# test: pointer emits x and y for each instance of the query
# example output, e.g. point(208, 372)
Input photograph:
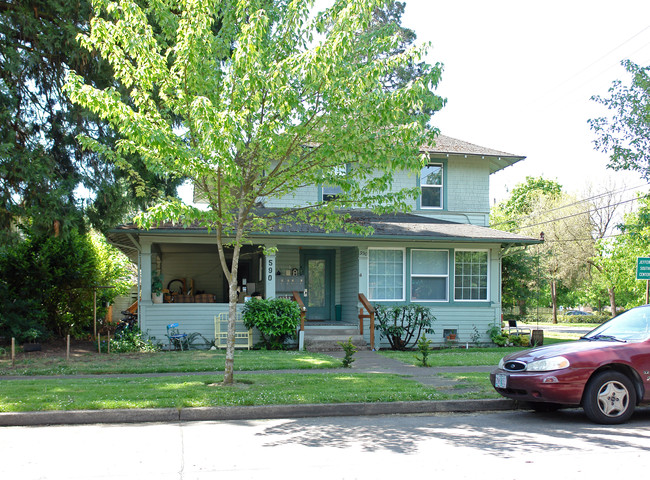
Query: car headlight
point(501, 363)
point(553, 363)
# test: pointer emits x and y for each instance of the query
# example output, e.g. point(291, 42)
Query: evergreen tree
point(43, 169)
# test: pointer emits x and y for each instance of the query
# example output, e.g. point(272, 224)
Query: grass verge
point(462, 357)
point(200, 391)
point(166, 362)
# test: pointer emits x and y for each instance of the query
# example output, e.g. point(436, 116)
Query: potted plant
point(156, 288)
point(32, 346)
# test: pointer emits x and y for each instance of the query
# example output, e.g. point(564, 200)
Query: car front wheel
point(609, 398)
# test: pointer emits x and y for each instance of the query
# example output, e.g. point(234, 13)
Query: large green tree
point(45, 177)
point(521, 272)
point(257, 99)
point(625, 133)
point(617, 256)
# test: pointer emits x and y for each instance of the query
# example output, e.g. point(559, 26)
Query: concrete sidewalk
point(365, 362)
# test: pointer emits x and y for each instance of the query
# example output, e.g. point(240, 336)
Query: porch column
point(363, 288)
point(363, 270)
point(145, 276)
point(270, 267)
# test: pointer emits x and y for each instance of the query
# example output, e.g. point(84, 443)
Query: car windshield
point(633, 325)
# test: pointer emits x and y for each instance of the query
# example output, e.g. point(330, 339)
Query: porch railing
point(303, 310)
point(370, 315)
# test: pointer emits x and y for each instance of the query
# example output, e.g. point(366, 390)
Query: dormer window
point(431, 186)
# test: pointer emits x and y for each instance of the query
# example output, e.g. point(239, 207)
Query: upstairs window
point(330, 192)
point(431, 186)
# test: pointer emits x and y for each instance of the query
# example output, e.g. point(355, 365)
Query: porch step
point(327, 338)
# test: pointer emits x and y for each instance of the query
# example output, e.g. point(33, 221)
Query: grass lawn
point(165, 362)
point(461, 357)
point(180, 391)
point(249, 389)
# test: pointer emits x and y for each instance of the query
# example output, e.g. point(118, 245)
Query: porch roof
point(387, 227)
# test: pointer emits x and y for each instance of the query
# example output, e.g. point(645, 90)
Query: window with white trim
point(430, 275)
point(330, 192)
point(471, 275)
point(386, 274)
point(431, 184)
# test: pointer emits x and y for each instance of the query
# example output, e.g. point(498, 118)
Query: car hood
point(564, 349)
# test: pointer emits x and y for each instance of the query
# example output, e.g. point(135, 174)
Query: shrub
point(402, 325)
point(276, 319)
point(46, 284)
point(130, 340)
point(424, 347)
point(349, 349)
point(499, 338)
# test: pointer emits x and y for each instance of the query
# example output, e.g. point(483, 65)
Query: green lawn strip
point(461, 357)
point(454, 357)
point(473, 385)
point(167, 362)
point(197, 391)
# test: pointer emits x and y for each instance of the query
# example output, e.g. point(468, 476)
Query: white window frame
point(420, 275)
point(487, 293)
point(441, 187)
point(339, 171)
point(403, 297)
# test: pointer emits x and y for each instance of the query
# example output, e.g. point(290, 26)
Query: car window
point(633, 325)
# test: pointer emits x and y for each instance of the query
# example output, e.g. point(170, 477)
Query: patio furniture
point(513, 329)
point(221, 337)
point(175, 338)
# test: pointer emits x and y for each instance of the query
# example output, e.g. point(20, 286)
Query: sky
point(518, 77)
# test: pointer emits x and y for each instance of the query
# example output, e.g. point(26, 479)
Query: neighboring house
point(442, 255)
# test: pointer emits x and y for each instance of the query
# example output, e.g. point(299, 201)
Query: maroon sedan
point(607, 371)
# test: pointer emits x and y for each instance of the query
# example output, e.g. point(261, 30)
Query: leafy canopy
point(255, 99)
point(625, 134)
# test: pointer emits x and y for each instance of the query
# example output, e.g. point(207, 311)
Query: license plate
point(501, 380)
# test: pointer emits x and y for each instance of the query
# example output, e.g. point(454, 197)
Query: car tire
point(609, 398)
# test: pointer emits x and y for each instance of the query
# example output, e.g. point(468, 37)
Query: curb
point(168, 415)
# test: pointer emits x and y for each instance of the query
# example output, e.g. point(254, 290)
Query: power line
point(585, 212)
point(569, 79)
point(600, 195)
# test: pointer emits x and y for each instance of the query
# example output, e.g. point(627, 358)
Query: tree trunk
point(554, 299)
point(228, 377)
point(612, 300)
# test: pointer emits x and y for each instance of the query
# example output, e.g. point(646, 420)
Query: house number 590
point(270, 271)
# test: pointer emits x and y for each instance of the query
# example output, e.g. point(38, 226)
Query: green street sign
point(643, 268)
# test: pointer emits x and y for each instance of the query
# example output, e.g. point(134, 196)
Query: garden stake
point(67, 348)
point(13, 352)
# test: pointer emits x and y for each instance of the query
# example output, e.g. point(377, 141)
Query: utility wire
point(585, 212)
point(588, 66)
point(600, 195)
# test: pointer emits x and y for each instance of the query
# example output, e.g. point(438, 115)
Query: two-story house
point(442, 255)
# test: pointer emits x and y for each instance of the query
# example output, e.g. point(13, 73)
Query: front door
point(318, 268)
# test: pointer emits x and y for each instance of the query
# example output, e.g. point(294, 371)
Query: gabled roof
point(451, 146)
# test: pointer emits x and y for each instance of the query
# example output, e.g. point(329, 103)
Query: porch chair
point(175, 338)
point(513, 329)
